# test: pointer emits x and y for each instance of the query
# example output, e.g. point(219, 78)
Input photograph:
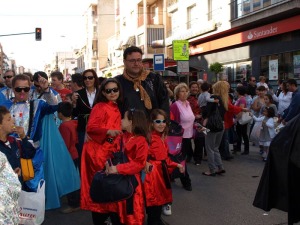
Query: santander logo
point(260, 33)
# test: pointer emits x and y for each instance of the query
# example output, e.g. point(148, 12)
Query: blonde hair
point(178, 88)
point(221, 88)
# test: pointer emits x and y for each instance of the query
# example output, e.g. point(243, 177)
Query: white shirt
point(284, 100)
point(91, 97)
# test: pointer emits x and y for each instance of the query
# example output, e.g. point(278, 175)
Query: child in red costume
point(136, 145)
point(157, 185)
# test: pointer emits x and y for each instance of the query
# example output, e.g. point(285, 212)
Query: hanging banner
point(181, 50)
point(273, 69)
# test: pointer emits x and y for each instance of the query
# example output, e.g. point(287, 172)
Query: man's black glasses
point(159, 121)
point(89, 77)
point(7, 77)
point(114, 90)
point(36, 85)
point(20, 89)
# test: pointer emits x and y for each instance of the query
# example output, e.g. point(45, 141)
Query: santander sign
point(262, 33)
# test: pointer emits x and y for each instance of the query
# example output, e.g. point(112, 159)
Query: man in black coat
point(279, 186)
point(142, 89)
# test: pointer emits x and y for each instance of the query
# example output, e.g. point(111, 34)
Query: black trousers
point(241, 131)
point(153, 214)
point(199, 148)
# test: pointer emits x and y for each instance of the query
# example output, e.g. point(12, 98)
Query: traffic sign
point(159, 62)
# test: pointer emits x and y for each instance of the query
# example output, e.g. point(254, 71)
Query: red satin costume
point(104, 116)
point(136, 149)
point(156, 191)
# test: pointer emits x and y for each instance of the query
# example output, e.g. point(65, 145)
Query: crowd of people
point(70, 134)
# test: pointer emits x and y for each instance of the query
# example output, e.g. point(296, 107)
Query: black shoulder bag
point(114, 187)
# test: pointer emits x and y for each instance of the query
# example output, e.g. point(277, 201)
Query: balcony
point(172, 5)
point(251, 12)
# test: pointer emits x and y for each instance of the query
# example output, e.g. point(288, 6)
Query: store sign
point(183, 67)
point(181, 50)
point(272, 29)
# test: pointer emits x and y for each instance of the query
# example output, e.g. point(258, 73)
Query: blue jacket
point(294, 108)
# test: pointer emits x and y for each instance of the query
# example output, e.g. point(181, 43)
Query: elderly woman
point(214, 137)
point(183, 114)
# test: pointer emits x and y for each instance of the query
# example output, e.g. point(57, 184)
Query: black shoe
point(188, 187)
point(221, 172)
point(245, 153)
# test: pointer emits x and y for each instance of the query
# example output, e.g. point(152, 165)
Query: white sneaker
point(167, 210)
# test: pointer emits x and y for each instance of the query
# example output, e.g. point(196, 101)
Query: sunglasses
point(159, 121)
point(89, 77)
point(36, 85)
point(114, 90)
point(7, 77)
point(20, 89)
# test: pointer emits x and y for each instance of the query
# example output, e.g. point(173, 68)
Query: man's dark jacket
point(155, 88)
point(279, 186)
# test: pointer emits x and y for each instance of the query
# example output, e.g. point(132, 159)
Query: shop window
point(243, 71)
point(286, 65)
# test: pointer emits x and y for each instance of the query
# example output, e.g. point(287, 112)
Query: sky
point(62, 26)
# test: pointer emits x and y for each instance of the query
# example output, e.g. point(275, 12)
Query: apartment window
point(154, 18)
point(175, 21)
point(191, 16)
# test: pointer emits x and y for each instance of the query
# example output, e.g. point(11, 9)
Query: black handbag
point(113, 187)
point(215, 121)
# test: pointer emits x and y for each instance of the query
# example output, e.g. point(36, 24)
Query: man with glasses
point(143, 89)
point(251, 87)
point(7, 91)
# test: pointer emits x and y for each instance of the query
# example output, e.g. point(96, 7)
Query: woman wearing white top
point(284, 99)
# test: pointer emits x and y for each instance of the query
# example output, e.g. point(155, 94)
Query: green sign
point(181, 50)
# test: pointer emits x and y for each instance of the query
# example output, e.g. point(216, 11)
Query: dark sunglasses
point(20, 89)
point(7, 77)
point(36, 85)
point(89, 77)
point(253, 80)
point(114, 90)
point(159, 121)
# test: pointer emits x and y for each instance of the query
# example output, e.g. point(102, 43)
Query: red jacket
point(229, 114)
point(156, 184)
point(104, 116)
point(68, 131)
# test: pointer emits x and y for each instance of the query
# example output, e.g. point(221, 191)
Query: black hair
point(270, 112)
point(261, 88)
point(205, 86)
point(100, 97)
point(140, 125)
point(130, 50)
point(292, 81)
point(155, 113)
point(78, 79)
point(36, 75)
point(58, 75)
point(65, 108)
point(241, 90)
point(270, 98)
point(192, 83)
point(3, 112)
point(96, 80)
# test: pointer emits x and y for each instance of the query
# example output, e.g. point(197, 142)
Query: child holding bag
point(157, 185)
point(136, 144)
point(267, 132)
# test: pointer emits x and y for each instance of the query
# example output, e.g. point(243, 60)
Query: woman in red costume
point(157, 183)
point(136, 145)
point(103, 126)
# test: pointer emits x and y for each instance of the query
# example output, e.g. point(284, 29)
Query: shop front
point(271, 50)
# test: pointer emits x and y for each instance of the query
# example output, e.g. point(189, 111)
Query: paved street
point(221, 200)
